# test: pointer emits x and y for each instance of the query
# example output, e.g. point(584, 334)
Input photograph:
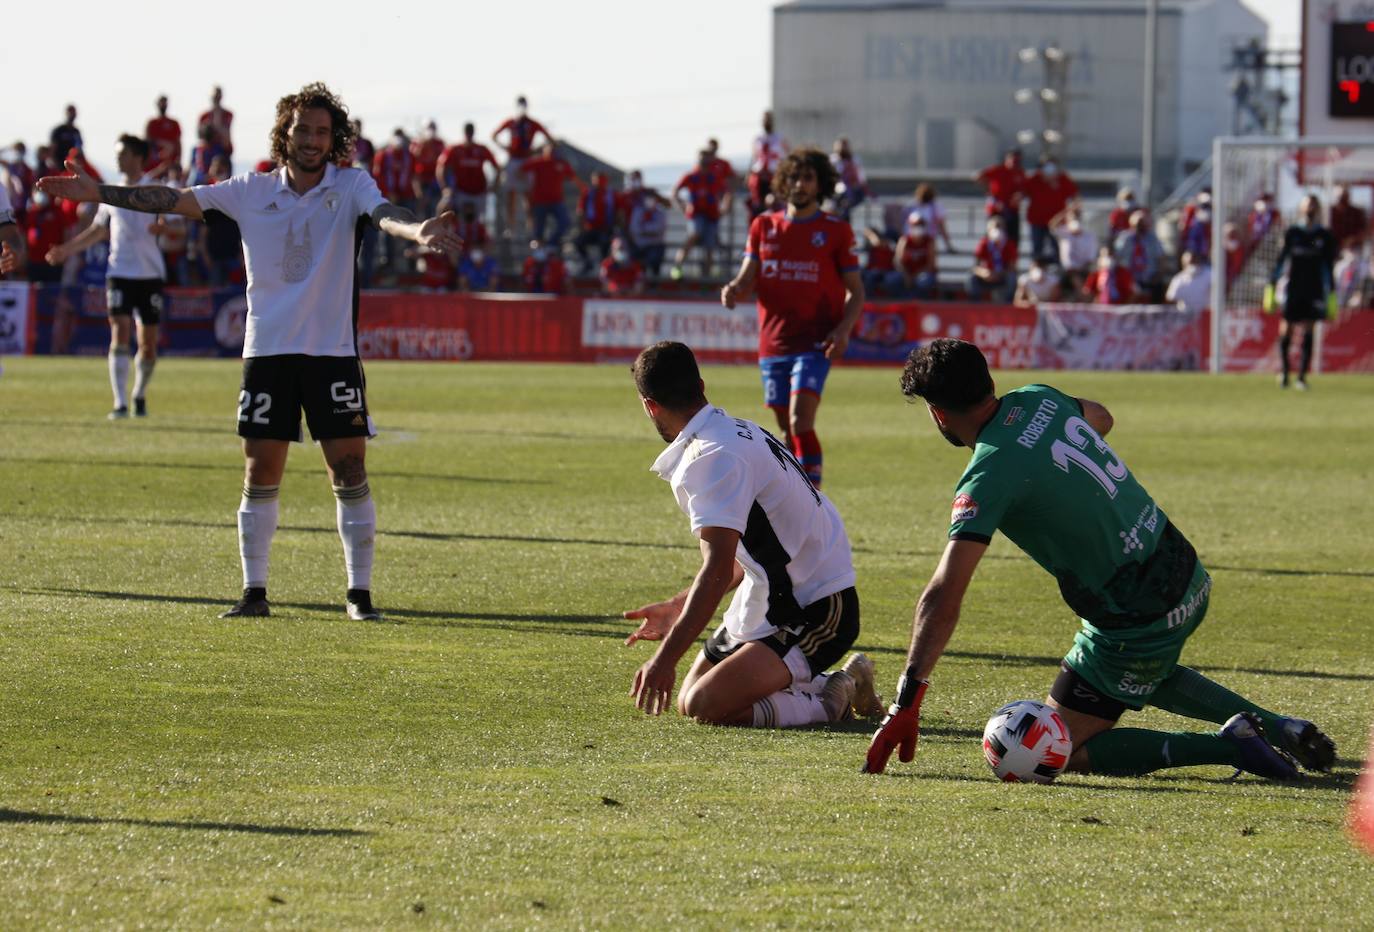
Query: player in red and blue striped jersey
point(804, 266)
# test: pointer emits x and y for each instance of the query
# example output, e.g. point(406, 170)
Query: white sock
point(357, 529)
point(257, 524)
point(119, 375)
point(143, 374)
point(787, 709)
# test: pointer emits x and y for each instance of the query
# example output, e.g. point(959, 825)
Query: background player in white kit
point(134, 279)
point(300, 227)
point(771, 536)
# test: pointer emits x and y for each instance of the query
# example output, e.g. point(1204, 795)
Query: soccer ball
point(1026, 741)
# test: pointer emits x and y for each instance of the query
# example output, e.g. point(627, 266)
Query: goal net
point(1257, 184)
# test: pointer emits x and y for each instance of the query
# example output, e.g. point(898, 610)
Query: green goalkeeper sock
point(1188, 692)
point(1130, 752)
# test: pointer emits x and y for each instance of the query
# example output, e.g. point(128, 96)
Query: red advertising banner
point(1132, 337)
point(530, 328)
point(1249, 342)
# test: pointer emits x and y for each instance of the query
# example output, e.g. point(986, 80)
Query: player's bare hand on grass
point(653, 686)
point(78, 186)
point(438, 234)
point(655, 620)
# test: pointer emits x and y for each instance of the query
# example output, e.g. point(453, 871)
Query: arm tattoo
point(151, 199)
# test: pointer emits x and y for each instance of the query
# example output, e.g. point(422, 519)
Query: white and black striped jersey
point(731, 473)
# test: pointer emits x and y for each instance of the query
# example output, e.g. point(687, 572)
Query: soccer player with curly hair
point(300, 226)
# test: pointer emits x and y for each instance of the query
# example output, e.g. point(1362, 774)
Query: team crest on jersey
point(1014, 415)
point(770, 268)
point(963, 509)
point(818, 238)
point(331, 201)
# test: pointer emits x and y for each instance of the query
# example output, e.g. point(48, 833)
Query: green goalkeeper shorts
point(1129, 665)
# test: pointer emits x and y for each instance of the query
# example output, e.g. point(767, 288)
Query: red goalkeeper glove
point(901, 726)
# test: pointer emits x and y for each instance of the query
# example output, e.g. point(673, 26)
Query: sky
point(636, 82)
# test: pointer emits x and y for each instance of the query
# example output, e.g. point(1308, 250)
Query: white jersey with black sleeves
point(731, 473)
point(134, 252)
point(299, 250)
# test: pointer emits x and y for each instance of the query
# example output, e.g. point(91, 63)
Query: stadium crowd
point(529, 221)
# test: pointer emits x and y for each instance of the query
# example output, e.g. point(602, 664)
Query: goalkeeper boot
point(358, 604)
point(140, 407)
point(866, 703)
point(1256, 756)
point(119, 414)
point(1306, 742)
point(252, 604)
point(837, 696)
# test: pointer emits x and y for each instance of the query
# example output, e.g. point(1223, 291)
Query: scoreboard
point(1350, 92)
point(1336, 96)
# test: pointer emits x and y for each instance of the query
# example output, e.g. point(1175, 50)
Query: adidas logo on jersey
point(272, 206)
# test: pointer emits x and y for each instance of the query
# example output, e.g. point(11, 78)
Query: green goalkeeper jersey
point(1043, 477)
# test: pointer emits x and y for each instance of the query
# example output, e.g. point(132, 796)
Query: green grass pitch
point(476, 762)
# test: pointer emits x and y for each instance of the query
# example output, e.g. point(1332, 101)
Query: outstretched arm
point(653, 683)
point(95, 233)
point(151, 199)
point(436, 233)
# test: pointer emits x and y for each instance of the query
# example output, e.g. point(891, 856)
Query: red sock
point(807, 448)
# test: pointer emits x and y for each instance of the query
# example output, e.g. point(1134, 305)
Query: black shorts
point(827, 629)
point(1073, 692)
point(1300, 307)
point(331, 389)
point(141, 296)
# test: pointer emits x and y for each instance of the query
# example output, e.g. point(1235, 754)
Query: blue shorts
point(784, 376)
point(706, 231)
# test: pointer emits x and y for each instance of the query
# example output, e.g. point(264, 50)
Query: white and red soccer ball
point(1026, 742)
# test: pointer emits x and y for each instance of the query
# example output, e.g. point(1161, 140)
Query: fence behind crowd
point(54, 319)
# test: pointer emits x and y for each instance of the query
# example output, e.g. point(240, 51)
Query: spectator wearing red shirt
point(994, 264)
point(878, 267)
point(548, 174)
point(1235, 251)
point(164, 138)
point(393, 168)
point(804, 266)
point(1048, 193)
point(426, 151)
point(702, 205)
point(46, 228)
point(723, 170)
point(544, 271)
point(1349, 225)
point(1110, 282)
point(768, 152)
point(521, 132)
point(915, 274)
point(621, 275)
point(596, 213)
point(1005, 183)
point(220, 122)
point(470, 229)
point(1119, 220)
point(462, 172)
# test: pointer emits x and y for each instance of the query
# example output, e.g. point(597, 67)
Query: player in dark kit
point(1042, 474)
point(1310, 251)
point(804, 266)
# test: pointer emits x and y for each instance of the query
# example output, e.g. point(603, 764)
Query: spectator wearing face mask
point(1005, 184)
point(647, 233)
point(994, 264)
point(1263, 220)
point(915, 274)
point(1048, 193)
point(1110, 282)
point(1195, 227)
point(596, 212)
point(1119, 220)
point(544, 271)
point(1038, 284)
point(621, 275)
point(1077, 248)
point(1191, 288)
point(926, 204)
point(1140, 252)
point(477, 271)
point(47, 227)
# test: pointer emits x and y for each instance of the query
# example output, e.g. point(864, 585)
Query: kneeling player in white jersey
point(767, 533)
point(300, 227)
point(134, 280)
